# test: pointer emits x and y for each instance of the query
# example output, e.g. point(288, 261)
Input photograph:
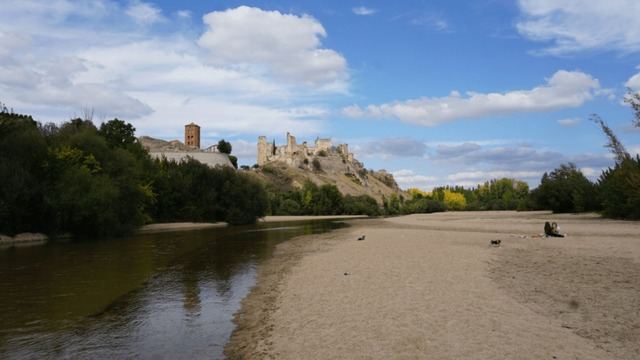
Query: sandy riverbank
point(186, 226)
point(431, 287)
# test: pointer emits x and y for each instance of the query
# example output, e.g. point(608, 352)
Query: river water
point(154, 296)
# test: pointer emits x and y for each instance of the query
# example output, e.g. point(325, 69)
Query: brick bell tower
point(192, 135)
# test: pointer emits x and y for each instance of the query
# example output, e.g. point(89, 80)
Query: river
point(153, 296)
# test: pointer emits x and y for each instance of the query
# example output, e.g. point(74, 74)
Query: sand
point(177, 226)
point(431, 287)
point(187, 226)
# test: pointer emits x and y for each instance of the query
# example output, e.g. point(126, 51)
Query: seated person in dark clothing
point(551, 230)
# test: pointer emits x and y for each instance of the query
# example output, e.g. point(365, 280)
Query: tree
point(234, 161)
point(224, 146)
point(118, 132)
point(23, 175)
point(454, 201)
point(327, 201)
point(360, 205)
point(620, 189)
point(614, 144)
point(566, 189)
point(633, 99)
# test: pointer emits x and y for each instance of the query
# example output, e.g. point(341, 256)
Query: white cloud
point(569, 121)
point(76, 59)
point(634, 82)
point(431, 20)
point(564, 89)
point(144, 13)
point(409, 179)
point(479, 177)
point(244, 149)
point(572, 26)
point(184, 14)
point(286, 46)
point(363, 10)
point(389, 147)
point(221, 116)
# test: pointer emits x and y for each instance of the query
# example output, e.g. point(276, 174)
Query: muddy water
point(159, 296)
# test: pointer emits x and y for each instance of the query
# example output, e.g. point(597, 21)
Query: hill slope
point(350, 177)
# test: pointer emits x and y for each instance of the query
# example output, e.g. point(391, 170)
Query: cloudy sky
point(437, 92)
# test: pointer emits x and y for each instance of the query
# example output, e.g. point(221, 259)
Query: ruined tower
point(192, 136)
point(263, 149)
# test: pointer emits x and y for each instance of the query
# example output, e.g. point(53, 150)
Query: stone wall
point(210, 158)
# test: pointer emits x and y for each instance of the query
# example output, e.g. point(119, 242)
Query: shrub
point(322, 153)
point(361, 205)
point(316, 164)
point(289, 207)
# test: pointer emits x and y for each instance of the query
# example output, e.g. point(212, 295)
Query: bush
point(322, 153)
point(316, 164)
point(422, 205)
point(361, 205)
point(289, 207)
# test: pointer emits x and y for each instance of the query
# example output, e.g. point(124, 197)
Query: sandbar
point(430, 286)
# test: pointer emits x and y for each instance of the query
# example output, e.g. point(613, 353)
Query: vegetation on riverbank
point(79, 179)
point(87, 181)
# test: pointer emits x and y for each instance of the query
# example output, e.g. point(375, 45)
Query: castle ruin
point(295, 154)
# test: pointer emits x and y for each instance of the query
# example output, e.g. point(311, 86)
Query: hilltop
point(289, 166)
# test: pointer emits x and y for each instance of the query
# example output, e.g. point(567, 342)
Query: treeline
point(80, 179)
point(87, 181)
point(326, 199)
point(498, 194)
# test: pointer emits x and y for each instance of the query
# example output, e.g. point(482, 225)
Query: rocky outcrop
point(291, 165)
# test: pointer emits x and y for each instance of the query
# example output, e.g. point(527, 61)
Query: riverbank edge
point(188, 226)
point(22, 239)
point(250, 338)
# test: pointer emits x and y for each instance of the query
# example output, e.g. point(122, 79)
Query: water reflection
point(168, 295)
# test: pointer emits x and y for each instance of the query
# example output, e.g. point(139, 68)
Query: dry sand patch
point(431, 287)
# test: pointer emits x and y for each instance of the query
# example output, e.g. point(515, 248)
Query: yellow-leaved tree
point(454, 201)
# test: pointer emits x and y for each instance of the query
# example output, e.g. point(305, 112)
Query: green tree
point(566, 189)
point(360, 205)
point(620, 189)
point(234, 161)
point(224, 146)
point(118, 133)
point(23, 157)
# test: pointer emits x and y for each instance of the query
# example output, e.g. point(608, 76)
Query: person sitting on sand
point(551, 230)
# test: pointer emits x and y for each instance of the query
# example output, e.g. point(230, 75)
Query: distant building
point(295, 154)
point(177, 151)
point(192, 135)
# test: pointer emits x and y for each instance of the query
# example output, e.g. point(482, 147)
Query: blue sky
point(437, 92)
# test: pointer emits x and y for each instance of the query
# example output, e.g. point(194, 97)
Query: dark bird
point(361, 238)
point(495, 242)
